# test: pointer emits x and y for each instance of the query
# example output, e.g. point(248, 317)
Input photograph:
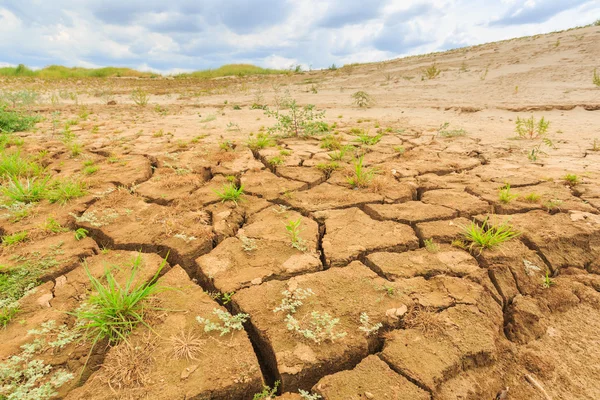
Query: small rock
point(188, 371)
point(44, 300)
point(111, 103)
point(256, 281)
point(60, 281)
point(369, 395)
point(396, 313)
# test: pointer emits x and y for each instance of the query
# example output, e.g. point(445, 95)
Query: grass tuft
point(487, 236)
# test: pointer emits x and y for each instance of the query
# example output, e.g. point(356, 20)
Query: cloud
point(536, 11)
point(175, 35)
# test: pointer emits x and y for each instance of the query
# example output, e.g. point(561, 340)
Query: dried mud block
point(52, 302)
point(422, 262)
point(268, 185)
point(524, 320)
point(124, 221)
point(453, 181)
point(439, 163)
point(502, 173)
point(311, 176)
point(464, 339)
point(384, 184)
point(229, 267)
point(161, 368)
point(564, 240)
point(411, 212)
point(168, 184)
point(515, 268)
point(326, 196)
point(291, 160)
point(205, 194)
point(270, 224)
point(466, 204)
point(52, 255)
point(234, 162)
point(299, 362)
point(226, 219)
point(442, 231)
point(371, 379)
point(552, 196)
point(350, 233)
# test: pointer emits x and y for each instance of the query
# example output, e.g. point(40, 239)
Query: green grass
point(368, 140)
point(16, 121)
point(487, 236)
point(9, 240)
point(362, 176)
point(571, 179)
point(532, 198)
point(28, 190)
point(61, 191)
point(59, 71)
point(232, 70)
point(260, 141)
point(12, 163)
point(114, 310)
point(505, 196)
point(230, 192)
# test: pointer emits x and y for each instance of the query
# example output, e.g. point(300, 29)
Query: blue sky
point(180, 35)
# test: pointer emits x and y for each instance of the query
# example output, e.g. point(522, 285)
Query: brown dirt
point(455, 324)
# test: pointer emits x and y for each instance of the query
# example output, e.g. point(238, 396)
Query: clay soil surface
point(377, 293)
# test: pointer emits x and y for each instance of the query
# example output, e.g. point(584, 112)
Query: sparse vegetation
point(228, 324)
point(547, 281)
point(230, 192)
point(487, 236)
point(362, 99)
point(293, 230)
point(366, 326)
point(571, 179)
point(431, 246)
point(596, 78)
point(505, 196)
point(362, 176)
point(140, 97)
point(260, 141)
point(267, 393)
point(321, 327)
point(299, 121)
point(431, 72)
point(532, 129)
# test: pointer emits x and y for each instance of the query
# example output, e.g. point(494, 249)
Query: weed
point(321, 327)
point(530, 129)
point(75, 148)
point(228, 322)
point(277, 160)
point(304, 395)
point(15, 121)
point(532, 198)
point(90, 170)
point(340, 154)
point(547, 281)
point(431, 246)
point(230, 192)
point(113, 310)
point(260, 141)
point(81, 233)
point(293, 229)
point(227, 297)
point(488, 236)
point(248, 244)
point(366, 325)
point(553, 204)
point(431, 72)
point(571, 179)
point(61, 191)
point(331, 142)
point(53, 226)
point(505, 196)
point(444, 132)
point(293, 299)
point(328, 168)
point(227, 145)
point(140, 97)
point(9, 240)
point(298, 122)
point(368, 140)
point(208, 118)
point(30, 190)
point(362, 176)
point(362, 99)
point(267, 393)
point(15, 165)
point(186, 345)
point(596, 78)
point(596, 145)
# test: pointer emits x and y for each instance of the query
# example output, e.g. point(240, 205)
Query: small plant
point(90, 169)
point(227, 145)
point(505, 196)
point(81, 233)
point(140, 97)
point(445, 132)
point(532, 198)
point(113, 310)
point(321, 327)
point(227, 297)
point(488, 236)
point(298, 122)
point(571, 179)
point(260, 141)
point(430, 246)
point(53, 226)
point(362, 99)
point(9, 240)
point(553, 204)
point(274, 161)
point(267, 393)
point(596, 77)
point(530, 129)
point(304, 395)
point(331, 142)
point(30, 190)
point(368, 140)
point(547, 281)
point(230, 192)
point(228, 322)
point(431, 72)
point(292, 300)
point(340, 154)
point(248, 244)
point(64, 190)
point(362, 176)
point(596, 145)
point(186, 345)
point(293, 229)
point(328, 168)
point(366, 325)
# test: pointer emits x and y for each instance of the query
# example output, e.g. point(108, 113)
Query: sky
point(171, 36)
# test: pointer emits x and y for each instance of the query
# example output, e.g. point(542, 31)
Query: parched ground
point(443, 322)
